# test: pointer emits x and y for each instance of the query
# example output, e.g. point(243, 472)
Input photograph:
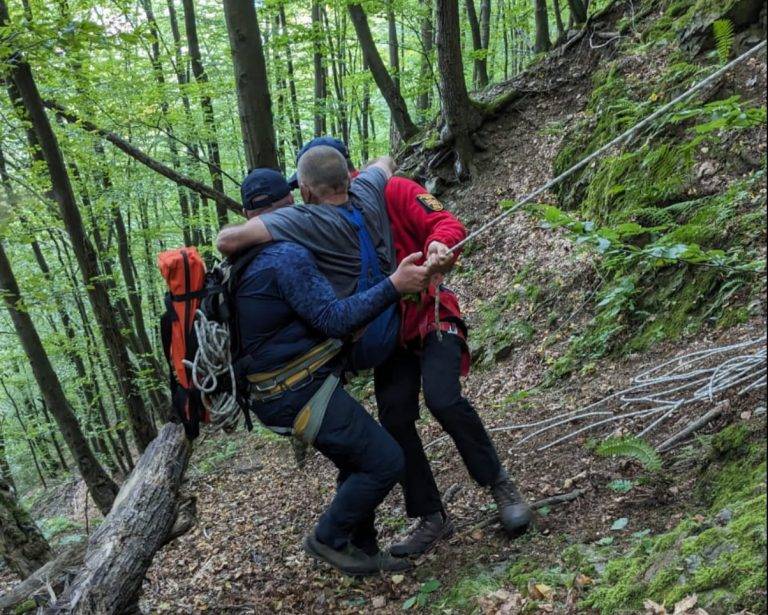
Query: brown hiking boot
point(424, 536)
point(351, 560)
point(513, 510)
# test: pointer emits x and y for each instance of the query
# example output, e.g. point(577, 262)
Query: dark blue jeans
point(369, 460)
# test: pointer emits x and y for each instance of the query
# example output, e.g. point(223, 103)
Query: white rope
point(212, 361)
point(661, 392)
point(625, 136)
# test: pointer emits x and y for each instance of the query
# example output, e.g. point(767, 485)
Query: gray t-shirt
point(333, 240)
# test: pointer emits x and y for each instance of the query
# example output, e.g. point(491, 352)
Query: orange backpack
point(184, 271)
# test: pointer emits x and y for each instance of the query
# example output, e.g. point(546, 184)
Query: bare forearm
point(386, 164)
point(237, 237)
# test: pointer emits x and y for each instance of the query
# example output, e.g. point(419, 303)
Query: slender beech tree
point(101, 487)
point(22, 546)
point(541, 17)
point(425, 70)
point(5, 466)
point(558, 19)
point(381, 76)
point(480, 65)
point(98, 290)
point(321, 74)
point(578, 10)
point(298, 139)
point(209, 119)
point(460, 115)
point(253, 98)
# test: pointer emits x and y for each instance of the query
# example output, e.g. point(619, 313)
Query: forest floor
point(254, 506)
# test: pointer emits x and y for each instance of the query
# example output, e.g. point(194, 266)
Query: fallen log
point(121, 549)
point(105, 576)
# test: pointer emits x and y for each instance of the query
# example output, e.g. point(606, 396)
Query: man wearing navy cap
point(264, 190)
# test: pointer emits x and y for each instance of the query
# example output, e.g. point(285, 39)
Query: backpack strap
point(370, 272)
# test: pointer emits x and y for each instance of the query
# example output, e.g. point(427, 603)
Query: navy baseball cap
point(266, 183)
point(329, 141)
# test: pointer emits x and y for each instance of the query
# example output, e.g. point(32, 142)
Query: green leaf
point(620, 524)
point(605, 541)
point(430, 586)
point(621, 485)
point(632, 447)
point(410, 603)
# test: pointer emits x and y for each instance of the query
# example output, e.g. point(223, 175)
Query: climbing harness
point(625, 136)
point(269, 385)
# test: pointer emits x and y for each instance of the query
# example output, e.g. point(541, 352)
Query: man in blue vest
point(286, 312)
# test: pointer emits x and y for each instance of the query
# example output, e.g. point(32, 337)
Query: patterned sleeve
point(310, 295)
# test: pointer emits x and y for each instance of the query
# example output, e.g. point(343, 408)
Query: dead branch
point(142, 517)
point(550, 501)
point(134, 152)
point(692, 427)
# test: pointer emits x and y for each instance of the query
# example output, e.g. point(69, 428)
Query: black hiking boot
point(513, 510)
point(353, 561)
point(424, 536)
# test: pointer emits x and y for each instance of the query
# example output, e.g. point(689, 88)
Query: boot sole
point(446, 533)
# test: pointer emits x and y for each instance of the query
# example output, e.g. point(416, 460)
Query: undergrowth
point(717, 551)
point(675, 248)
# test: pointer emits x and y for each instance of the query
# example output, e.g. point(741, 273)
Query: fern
point(630, 447)
point(724, 36)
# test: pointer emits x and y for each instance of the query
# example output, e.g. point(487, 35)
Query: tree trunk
point(480, 69)
point(198, 70)
point(578, 11)
point(559, 20)
point(318, 63)
point(542, 27)
point(22, 546)
point(389, 91)
point(141, 521)
point(460, 115)
point(253, 98)
point(99, 484)
point(5, 467)
point(425, 71)
point(298, 139)
point(84, 252)
point(22, 424)
point(337, 72)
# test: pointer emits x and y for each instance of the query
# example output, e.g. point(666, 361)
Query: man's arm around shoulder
point(236, 237)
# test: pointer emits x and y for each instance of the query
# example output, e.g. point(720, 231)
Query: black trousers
point(369, 461)
point(437, 368)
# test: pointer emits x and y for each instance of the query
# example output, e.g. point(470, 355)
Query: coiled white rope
point(212, 361)
point(662, 391)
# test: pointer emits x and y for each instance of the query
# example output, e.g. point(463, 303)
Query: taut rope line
point(626, 135)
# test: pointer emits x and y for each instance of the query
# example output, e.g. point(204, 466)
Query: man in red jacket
point(433, 362)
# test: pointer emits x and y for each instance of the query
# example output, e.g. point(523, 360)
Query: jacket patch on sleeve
point(429, 202)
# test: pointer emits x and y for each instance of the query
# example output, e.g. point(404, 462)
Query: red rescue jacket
point(417, 219)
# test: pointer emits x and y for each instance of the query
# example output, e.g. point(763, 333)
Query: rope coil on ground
point(212, 361)
point(661, 392)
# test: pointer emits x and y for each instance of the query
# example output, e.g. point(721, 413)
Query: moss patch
point(721, 556)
